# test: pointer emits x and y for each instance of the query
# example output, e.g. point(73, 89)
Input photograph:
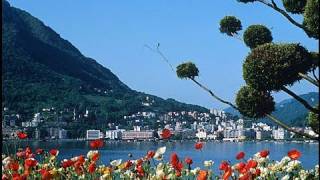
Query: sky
point(115, 32)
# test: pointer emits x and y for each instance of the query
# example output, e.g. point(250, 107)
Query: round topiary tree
point(187, 70)
point(256, 35)
point(294, 6)
point(311, 18)
point(270, 67)
point(253, 103)
point(230, 25)
point(313, 121)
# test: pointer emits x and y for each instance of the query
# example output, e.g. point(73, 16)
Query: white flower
point(208, 163)
point(159, 153)
point(91, 153)
point(195, 170)
point(6, 161)
point(286, 177)
point(116, 162)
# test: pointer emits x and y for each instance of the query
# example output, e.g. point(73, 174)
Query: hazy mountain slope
point(290, 110)
point(40, 70)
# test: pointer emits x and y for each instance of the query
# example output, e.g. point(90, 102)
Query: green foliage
point(294, 6)
point(230, 25)
point(271, 66)
point(256, 35)
point(187, 70)
point(311, 18)
point(246, 1)
point(313, 120)
point(290, 111)
point(254, 104)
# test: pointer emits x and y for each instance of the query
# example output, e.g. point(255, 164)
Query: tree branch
point(314, 74)
point(286, 127)
point(302, 101)
point(308, 78)
point(274, 6)
point(157, 50)
point(213, 95)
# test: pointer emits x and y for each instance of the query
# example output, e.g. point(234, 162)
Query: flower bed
point(40, 164)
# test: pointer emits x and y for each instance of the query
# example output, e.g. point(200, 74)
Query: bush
point(311, 18)
point(254, 104)
point(230, 25)
point(256, 35)
point(187, 70)
point(294, 6)
point(271, 66)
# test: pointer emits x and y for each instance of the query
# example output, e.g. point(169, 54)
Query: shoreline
point(153, 140)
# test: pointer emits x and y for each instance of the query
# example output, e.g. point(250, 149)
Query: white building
point(63, 134)
point(201, 134)
point(94, 134)
point(131, 135)
point(114, 134)
point(279, 134)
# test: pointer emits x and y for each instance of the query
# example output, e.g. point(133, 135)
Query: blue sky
point(114, 33)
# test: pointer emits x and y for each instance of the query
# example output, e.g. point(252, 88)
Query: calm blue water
point(216, 151)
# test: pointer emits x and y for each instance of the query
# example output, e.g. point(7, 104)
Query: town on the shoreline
point(214, 125)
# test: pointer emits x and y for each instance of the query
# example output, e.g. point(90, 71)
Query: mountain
point(42, 70)
point(290, 110)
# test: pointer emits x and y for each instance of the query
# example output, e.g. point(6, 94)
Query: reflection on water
point(216, 151)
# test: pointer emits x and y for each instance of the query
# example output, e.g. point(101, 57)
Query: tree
point(269, 66)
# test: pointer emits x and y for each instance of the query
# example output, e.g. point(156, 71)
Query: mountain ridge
point(43, 70)
point(297, 114)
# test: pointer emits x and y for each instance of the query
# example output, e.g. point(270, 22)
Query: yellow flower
point(53, 172)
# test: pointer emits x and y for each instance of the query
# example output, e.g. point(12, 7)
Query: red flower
point(21, 154)
point(67, 163)
point(95, 156)
point(14, 166)
point(240, 155)
point(128, 164)
point(178, 166)
point(95, 144)
point(5, 177)
point(166, 133)
point(188, 160)
point(202, 175)
point(258, 172)
point(140, 171)
point(224, 165)
point(22, 135)
point(30, 162)
point(178, 173)
point(39, 151)
point(198, 145)
point(18, 177)
point(45, 174)
point(139, 162)
point(92, 167)
point(174, 159)
point(245, 176)
point(81, 159)
point(241, 167)
point(251, 164)
point(227, 173)
point(264, 153)
point(54, 152)
point(150, 154)
point(294, 154)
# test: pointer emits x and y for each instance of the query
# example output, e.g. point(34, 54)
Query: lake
point(216, 151)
